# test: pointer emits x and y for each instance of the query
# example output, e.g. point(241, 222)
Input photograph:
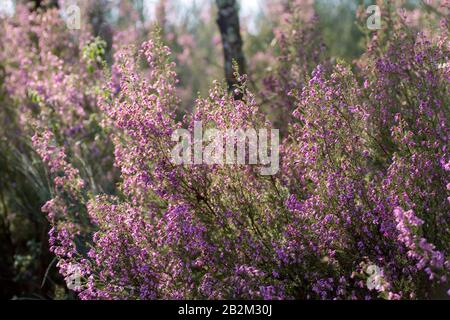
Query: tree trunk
point(228, 21)
point(44, 3)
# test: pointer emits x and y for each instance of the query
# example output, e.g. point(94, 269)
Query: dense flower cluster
point(53, 76)
point(363, 182)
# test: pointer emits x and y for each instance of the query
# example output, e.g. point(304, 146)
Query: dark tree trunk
point(228, 21)
point(44, 3)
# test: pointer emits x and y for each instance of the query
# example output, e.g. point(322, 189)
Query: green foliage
point(94, 54)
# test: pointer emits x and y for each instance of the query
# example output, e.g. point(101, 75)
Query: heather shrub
point(357, 210)
point(298, 49)
point(180, 206)
point(53, 81)
point(50, 78)
point(359, 186)
point(367, 149)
